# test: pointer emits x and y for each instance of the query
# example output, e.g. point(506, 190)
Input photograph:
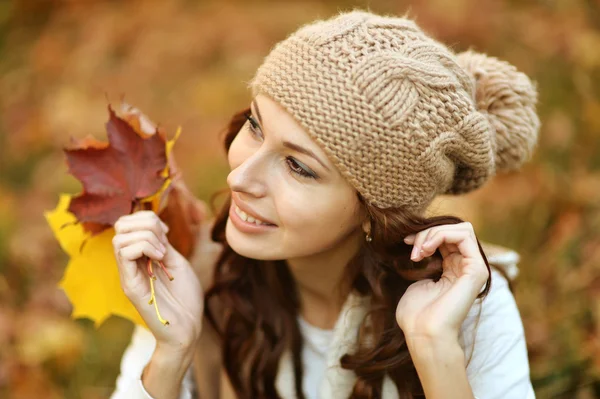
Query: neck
point(321, 281)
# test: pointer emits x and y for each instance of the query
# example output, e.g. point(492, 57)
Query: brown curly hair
point(258, 304)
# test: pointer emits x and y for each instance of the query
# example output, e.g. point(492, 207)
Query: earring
point(368, 237)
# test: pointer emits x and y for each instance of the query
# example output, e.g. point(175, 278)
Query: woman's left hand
point(435, 310)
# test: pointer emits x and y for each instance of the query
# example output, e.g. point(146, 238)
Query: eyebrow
point(290, 145)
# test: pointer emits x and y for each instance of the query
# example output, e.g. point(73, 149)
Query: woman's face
point(281, 176)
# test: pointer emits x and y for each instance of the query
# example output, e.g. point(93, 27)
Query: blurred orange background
point(186, 63)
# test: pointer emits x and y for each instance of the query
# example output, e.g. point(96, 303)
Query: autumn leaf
point(117, 176)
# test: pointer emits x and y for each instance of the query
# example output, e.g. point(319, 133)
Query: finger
point(153, 223)
point(139, 249)
point(418, 242)
point(430, 232)
point(172, 258)
point(148, 214)
point(127, 269)
point(134, 281)
point(430, 246)
point(425, 235)
point(461, 238)
point(126, 239)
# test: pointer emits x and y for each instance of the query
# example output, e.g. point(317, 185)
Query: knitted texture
point(401, 116)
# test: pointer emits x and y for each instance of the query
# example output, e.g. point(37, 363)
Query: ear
point(366, 225)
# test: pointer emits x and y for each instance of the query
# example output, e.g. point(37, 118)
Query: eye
point(297, 168)
point(294, 166)
point(254, 126)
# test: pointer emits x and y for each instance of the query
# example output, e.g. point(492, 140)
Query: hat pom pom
point(508, 99)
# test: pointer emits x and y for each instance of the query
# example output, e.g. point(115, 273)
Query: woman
point(325, 279)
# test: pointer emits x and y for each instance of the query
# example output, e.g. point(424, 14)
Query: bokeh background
point(186, 63)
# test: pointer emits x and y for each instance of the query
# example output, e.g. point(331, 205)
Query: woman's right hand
point(140, 236)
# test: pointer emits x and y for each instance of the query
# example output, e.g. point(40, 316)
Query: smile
point(248, 224)
point(246, 218)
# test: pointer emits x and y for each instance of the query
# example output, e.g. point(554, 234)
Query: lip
point(244, 226)
point(249, 211)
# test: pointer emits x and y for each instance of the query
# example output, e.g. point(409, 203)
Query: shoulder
point(499, 306)
point(493, 337)
point(206, 254)
point(498, 310)
point(502, 257)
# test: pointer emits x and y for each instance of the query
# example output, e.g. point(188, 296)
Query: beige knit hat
point(401, 116)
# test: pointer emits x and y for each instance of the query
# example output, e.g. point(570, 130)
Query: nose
point(247, 177)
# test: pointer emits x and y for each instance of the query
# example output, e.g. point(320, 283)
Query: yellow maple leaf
point(91, 279)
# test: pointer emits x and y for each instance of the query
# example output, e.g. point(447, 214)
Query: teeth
point(244, 216)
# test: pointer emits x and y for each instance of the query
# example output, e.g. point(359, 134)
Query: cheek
point(316, 219)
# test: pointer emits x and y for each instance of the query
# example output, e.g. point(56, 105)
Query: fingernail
point(163, 248)
point(158, 253)
point(413, 253)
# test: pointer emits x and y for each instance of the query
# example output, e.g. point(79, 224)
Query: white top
point(499, 368)
point(314, 350)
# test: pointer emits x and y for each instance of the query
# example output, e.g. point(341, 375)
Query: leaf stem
point(162, 265)
point(149, 269)
point(153, 294)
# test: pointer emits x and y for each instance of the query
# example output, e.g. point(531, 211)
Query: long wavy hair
point(253, 304)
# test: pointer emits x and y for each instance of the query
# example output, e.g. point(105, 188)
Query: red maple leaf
point(115, 175)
